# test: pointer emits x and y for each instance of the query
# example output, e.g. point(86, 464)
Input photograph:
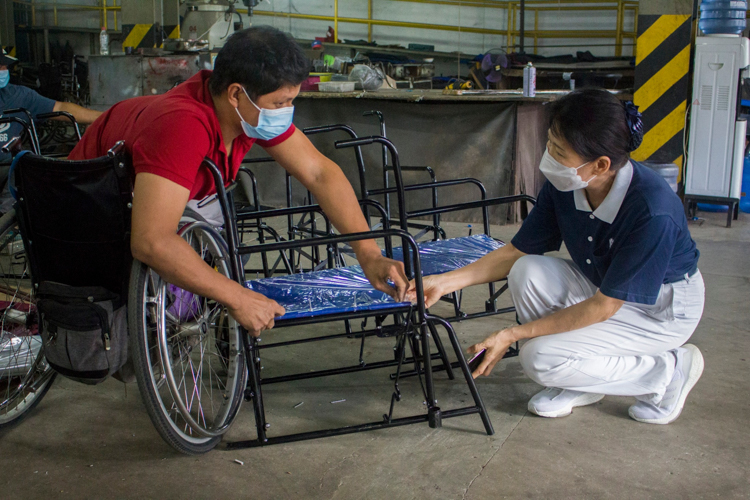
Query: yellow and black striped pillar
point(662, 85)
point(139, 36)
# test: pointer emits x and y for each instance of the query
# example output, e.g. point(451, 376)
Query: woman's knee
point(540, 364)
point(523, 270)
point(528, 283)
point(527, 271)
point(530, 360)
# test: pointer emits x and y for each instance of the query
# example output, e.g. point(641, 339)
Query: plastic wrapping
point(438, 257)
point(346, 289)
point(184, 305)
point(330, 291)
point(368, 78)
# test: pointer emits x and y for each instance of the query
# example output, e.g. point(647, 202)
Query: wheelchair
point(193, 362)
point(24, 375)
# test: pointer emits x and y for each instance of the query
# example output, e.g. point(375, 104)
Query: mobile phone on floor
point(476, 360)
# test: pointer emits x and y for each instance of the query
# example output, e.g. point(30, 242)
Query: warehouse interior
point(189, 183)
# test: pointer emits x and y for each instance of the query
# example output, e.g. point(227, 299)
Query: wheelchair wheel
point(25, 376)
point(187, 351)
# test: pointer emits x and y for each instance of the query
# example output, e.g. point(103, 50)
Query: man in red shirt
point(221, 114)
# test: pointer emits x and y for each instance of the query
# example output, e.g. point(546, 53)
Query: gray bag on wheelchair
point(74, 218)
point(84, 330)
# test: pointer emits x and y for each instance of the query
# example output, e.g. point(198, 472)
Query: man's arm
point(332, 190)
point(158, 204)
point(84, 116)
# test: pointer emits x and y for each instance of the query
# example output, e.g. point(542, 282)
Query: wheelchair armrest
point(13, 146)
point(436, 184)
point(330, 128)
point(63, 114)
point(474, 204)
point(29, 125)
point(26, 129)
point(304, 209)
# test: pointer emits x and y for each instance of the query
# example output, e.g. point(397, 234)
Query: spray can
point(529, 80)
point(103, 42)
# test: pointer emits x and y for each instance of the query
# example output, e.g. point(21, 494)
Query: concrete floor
point(84, 442)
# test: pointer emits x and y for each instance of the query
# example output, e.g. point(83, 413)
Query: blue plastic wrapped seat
point(346, 289)
point(442, 256)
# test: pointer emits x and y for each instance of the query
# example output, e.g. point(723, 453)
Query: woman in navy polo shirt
point(613, 320)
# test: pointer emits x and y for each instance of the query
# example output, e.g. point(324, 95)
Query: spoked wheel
point(187, 351)
point(25, 376)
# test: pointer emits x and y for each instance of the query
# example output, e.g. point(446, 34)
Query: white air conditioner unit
point(717, 139)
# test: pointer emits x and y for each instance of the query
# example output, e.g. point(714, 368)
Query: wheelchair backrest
point(75, 217)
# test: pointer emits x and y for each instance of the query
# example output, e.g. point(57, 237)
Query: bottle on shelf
point(529, 80)
point(104, 42)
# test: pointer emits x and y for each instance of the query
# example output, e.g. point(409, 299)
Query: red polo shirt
point(169, 135)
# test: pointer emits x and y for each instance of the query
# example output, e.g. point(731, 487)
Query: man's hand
point(255, 312)
point(379, 270)
point(433, 287)
point(497, 345)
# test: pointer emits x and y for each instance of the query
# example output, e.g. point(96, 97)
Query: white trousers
point(630, 354)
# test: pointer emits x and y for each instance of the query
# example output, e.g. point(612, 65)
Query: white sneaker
point(687, 372)
point(553, 402)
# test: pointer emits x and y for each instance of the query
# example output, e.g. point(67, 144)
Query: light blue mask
point(4, 78)
point(271, 122)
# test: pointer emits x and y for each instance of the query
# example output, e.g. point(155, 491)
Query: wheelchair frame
point(412, 323)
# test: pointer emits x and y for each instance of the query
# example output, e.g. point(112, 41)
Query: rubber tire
point(151, 400)
point(7, 221)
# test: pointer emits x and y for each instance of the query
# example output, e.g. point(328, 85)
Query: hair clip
point(635, 124)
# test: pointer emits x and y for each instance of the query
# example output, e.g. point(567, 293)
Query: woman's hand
point(433, 286)
point(496, 345)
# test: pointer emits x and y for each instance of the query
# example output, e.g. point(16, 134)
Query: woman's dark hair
point(262, 59)
point(596, 123)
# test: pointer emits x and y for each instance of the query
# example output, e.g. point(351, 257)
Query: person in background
point(18, 96)
point(614, 319)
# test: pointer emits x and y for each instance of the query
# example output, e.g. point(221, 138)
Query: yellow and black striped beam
point(662, 85)
point(138, 36)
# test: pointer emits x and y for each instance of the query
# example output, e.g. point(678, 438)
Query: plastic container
point(336, 86)
point(103, 42)
point(311, 84)
point(723, 17)
point(667, 171)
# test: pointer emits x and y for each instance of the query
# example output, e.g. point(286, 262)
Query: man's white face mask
point(562, 177)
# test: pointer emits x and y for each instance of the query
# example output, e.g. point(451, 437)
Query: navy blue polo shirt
point(634, 242)
point(18, 96)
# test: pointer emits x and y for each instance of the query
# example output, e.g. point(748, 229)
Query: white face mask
point(562, 177)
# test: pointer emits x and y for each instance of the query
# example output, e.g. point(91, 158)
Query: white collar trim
point(609, 208)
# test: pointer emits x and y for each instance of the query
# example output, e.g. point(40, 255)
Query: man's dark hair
point(262, 59)
point(596, 123)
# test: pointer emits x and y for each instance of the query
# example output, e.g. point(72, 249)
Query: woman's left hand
point(496, 345)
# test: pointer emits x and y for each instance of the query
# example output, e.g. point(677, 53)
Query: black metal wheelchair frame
point(405, 219)
point(413, 327)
